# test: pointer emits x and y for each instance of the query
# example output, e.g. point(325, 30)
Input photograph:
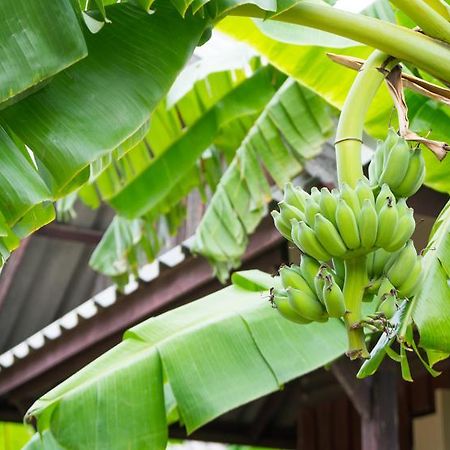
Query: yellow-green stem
point(351, 122)
point(429, 20)
point(355, 282)
point(402, 43)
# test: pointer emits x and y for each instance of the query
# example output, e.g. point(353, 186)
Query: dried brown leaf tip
point(394, 82)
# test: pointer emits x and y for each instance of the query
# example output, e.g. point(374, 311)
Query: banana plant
point(64, 119)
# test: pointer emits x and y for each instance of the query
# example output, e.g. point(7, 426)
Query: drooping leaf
point(217, 353)
point(290, 130)
point(432, 306)
point(155, 182)
point(39, 39)
point(92, 107)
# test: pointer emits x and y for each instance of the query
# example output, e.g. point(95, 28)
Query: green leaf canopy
point(38, 40)
point(92, 107)
point(216, 353)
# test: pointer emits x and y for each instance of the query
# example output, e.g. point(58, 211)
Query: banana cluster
point(311, 292)
point(397, 165)
point(341, 224)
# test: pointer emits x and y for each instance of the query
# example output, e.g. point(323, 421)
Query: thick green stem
point(399, 42)
point(355, 282)
point(430, 21)
point(351, 122)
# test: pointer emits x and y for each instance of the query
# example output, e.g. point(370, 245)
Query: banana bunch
point(341, 224)
point(395, 164)
point(311, 292)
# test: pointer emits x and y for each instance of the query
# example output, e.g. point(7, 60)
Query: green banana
point(289, 212)
point(315, 194)
point(333, 298)
point(387, 223)
point(328, 205)
point(383, 196)
point(309, 267)
point(312, 208)
point(405, 227)
point(339, 271)
point(305, 239)
point(328, 236)
point(347, 225)
point(380, 258)
point(404, 263)
point(368, 224)
point(396, 164)
point(280, 301)
point(376, 165)
point(412, 284)
point(290, 277)
point(388, 305)
point(306, 305)
point(364, 192)
point(414, 176)
point(281, 225)
point(294, 196)
point(319, 282)
point(351, 198)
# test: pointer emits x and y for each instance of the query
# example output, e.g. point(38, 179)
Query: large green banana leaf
point(91, 108)
point(310, 66)
point(151, 186)
point(216, 353)
point(13, 436)
point(38, 40)
point(432, 305)
point(290, 130)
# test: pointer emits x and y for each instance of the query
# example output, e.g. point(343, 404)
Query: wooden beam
point(71, 233)
point(10, 269)
point(187, 281)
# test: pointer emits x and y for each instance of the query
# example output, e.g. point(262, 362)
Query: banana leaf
point(38, 40)
point(216, 353)
point(290, 130)
point(432, 306)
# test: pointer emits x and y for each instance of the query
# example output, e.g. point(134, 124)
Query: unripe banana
point(414, 176)
point(309, 267)
point(319, 282)
point(305, 239)
point(383, 196)
point(404, 263)
point(396, 164)
point(380, 258)
point(333, 298)
point(294, 196)
point(328, 205)
point(376, 165)
point(364, 192)
point(405, 227)
point(280, 301)
point(311, 209)
point(306, 305)
point(388, 305)
point(368, 224)
point(347, 225)
point(387, 223)
point(290, 277)
point(339, 271)
point(289, 212)
point(315, 194)
point(413, 283)
point(281, 225)
point(328, 236)
point(351, 198)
